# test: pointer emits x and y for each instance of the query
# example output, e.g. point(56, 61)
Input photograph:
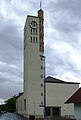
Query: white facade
point(32, 101)
point(56, 96)
point(33, 72)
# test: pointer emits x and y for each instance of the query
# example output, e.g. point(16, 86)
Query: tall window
point(21, 104)
point(31, 30)
point(33, 39)
point(36, 31)
point(36, 39)
point(24, 104)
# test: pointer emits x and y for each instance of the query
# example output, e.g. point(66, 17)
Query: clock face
point(33, 24)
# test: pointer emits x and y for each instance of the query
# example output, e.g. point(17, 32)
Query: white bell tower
point(34, 65)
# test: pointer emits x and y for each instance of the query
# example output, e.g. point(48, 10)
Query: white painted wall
point(77, 108)
point(20, 105)
point(58, 93)
point(33, 72)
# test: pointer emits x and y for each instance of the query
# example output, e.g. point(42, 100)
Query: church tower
point(34, 65)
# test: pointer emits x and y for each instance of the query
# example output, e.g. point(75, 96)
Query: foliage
point(10, 104)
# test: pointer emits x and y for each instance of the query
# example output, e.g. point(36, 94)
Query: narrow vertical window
point(41, 84)
point(21, 104)
point(41, 67)
point(24, 104)
point(36, 31)
point(42, 94)
point(41, 76)
point(36, 39)
point(31, 30)
point(31, 39)
point(24, 39)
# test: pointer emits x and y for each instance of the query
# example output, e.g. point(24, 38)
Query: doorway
point(53, 111)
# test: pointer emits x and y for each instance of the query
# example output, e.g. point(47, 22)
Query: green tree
point(10, 104)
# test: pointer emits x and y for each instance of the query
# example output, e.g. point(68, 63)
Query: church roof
point(75, 98)
point(50, 79)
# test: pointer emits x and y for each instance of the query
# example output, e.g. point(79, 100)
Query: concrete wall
point(20, 105)
point(58, 93)
point(33, 95)
point(33, 72)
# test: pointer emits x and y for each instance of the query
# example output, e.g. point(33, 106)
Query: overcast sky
point(62, 41)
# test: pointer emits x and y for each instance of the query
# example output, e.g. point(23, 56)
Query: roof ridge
point(56, 80)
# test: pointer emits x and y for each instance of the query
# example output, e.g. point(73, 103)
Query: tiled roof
point(55, 80)
point(75, 98)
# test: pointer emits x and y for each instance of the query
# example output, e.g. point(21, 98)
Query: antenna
point(40, 4)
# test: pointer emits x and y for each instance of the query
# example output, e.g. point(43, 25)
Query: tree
point(10, 104)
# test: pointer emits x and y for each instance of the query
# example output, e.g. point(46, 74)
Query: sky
point(62, 40)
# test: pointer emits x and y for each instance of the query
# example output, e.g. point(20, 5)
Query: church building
point(33, 96)
point(42, 97)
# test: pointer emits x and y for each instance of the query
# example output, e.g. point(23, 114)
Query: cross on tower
point(40, 4)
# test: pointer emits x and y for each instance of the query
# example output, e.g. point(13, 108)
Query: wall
point(58, 93)
point(20, 108)
point(33, 71)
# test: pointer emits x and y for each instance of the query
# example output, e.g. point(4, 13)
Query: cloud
point(62, 41)
point(62, 37)
point(63, 58)
point(11, 51)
